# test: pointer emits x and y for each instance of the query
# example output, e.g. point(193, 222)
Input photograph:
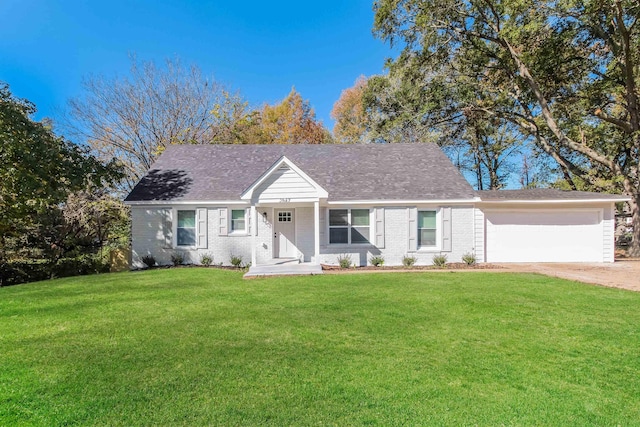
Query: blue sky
point(260, 48)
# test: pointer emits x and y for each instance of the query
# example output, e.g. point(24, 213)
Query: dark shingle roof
point(347, 172)
point(534, 194)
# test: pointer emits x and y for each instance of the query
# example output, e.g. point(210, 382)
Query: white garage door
point(544, 236)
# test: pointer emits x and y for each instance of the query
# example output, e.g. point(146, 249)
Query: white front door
point(285, 234)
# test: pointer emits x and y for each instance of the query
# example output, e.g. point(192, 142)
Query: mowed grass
point(204, 347)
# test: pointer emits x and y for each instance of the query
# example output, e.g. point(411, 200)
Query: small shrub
point(177, 258)
point(409, 261)
point(13, 272)
point(344, 261)
point(236, 260)
point(148, 260)
point(439, 260)
point(376, 261)
point(469, 259)
point(206, 259)
point(79, 266)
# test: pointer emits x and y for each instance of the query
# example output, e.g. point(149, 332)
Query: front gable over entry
point(284, 181)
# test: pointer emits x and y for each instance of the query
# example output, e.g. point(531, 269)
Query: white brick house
point(315, 203)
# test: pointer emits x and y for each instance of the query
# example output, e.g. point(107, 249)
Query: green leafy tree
point(88, 222)
point(406, 106)
point(38, 170)
point(564, 72)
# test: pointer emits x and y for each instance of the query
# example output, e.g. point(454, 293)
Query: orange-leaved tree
point(348, 112)
point(292, 121)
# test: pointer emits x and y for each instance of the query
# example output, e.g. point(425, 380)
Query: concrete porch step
point(284, 269)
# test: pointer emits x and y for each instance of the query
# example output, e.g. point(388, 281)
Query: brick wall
point(149, 238)
point(397, 236)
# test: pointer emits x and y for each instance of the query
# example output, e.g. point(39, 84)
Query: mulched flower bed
point(448, 266)
point(216, 266)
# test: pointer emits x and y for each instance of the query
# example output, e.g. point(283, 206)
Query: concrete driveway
point(624, 274)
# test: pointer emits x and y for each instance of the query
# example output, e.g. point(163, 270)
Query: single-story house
point(315, 203)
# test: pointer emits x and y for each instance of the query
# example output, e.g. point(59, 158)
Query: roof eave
point(552, 201)
point(183, 202)
point(404, 202)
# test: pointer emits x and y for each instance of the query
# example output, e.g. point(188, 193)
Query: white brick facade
point(396, 234)
point(152, 234)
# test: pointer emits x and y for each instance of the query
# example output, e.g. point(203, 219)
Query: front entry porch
point(285, 231)
point(287, 201)
point(284, 267)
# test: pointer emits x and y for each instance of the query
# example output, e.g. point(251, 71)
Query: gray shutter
point(446, 229)
point(223, 223)
point(323, 227)
point(412, 215)
point(379, 227)
point(167, 230)
point(247, 215)
point(202, 227)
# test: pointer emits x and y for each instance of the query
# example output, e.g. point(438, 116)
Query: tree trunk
point(479, 174)
point(634, 204)
point(494, 180)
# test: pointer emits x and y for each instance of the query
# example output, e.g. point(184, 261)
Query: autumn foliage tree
point(349, 114)
point(292, 121)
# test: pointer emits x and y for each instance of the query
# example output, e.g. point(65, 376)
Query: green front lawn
point(204, 347)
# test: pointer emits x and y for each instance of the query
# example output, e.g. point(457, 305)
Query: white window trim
point(438, 246)
point(174, 229)
point(231, 231)
point(349, 227)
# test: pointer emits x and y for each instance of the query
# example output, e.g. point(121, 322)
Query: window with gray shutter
point(412, 215)
point(202, 228)
point(222, 222)
point(186, 228)
point(379, 227)
point(239, 220)
point(446, 229)
point(167, 231)
point(427, 229)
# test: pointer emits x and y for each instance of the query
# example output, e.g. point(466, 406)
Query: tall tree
point(86, 223)
point(292, 121)
point(407, 106)
point(348, 112)
point(492, 146)
point(38, 170)
point(401, 108)
point(134, 118)
point(564, 72)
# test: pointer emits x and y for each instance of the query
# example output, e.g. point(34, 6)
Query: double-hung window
point(238, 221)
point(427, 229)
point(186, 230)
point(348, 226)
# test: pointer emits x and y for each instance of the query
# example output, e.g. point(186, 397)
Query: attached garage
point(544, 236)
point(545, 225)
